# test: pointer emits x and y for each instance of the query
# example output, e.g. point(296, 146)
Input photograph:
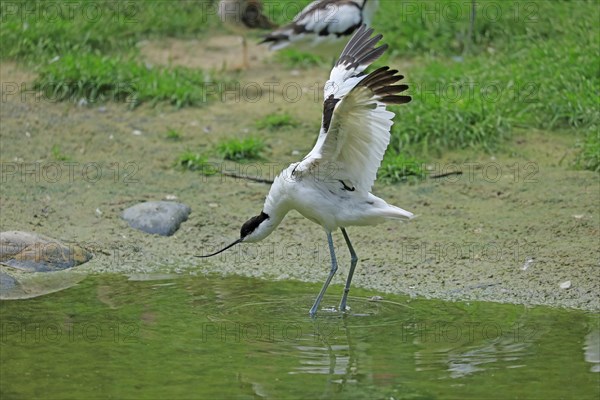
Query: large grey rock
point(32, 265)
point(31, 252)
point(157, 217)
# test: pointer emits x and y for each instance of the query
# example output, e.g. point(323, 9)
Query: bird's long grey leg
point(334, 267)
point(353, 261)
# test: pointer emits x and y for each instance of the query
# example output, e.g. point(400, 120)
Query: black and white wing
point(355, 130)
point(323, 20)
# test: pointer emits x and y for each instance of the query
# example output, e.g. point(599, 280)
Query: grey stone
point(31, 252)
point(7, 282)
point(157, 217)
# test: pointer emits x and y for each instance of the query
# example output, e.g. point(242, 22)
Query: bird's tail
point(276, 40)
point(397, 213)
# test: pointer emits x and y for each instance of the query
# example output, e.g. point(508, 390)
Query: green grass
point(440, 28)
point(275, 122)
point(238, 150)
point(293, 58)
point(58, 155)
point(534, 67)
point(400, 168)
point(87, 49)
point(99, 78)
point(173, 134)
point(246, 149)
point(191, 161)
point(589, 156)
point(37, 31)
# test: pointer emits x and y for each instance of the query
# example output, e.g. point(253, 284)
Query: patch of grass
point(450, 109)
point(589, 156)
point(173, 134)
point(542, 75)
point(274, 122)
point(238, 150)
point(434, 127)
point(191, 161)
point(58, 155)
point(86, 49)
point(441, 28)
point(38, 31)
point(565, 78)
point(99, 78)
point(293, 58)
point(397, 168)
point(241, 149)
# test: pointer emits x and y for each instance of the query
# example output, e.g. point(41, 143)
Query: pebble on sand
point(565, 285)
point(157, 217)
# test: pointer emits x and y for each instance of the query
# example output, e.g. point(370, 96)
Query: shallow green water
point(239, 338)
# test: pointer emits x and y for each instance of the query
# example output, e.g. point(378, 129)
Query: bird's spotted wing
point(321, 19)
point(356, 125)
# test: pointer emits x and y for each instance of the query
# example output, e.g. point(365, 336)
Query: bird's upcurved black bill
point(222, 250)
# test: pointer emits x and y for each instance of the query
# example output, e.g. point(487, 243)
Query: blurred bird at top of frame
point(324, 26)
point(240, 15)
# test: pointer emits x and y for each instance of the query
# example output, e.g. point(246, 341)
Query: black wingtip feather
point(381, 82)
point(361, 49)
point(372, 55)
point(392, 89)
point(355, 39)
point(396, 99)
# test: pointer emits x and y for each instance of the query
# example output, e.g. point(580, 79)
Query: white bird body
point(325, 199)
point(324, 25)
point(331, 185)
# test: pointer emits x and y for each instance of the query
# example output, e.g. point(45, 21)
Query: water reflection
point(336, 356)
point(461, 356)
point(214, 337)
point(591, 350)
point(463, 363)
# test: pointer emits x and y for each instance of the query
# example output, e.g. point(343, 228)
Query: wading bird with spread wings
point(331, 185)
point(323, 26)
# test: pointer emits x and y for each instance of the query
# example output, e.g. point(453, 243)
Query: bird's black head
point(252, 226)
point(253, 230)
